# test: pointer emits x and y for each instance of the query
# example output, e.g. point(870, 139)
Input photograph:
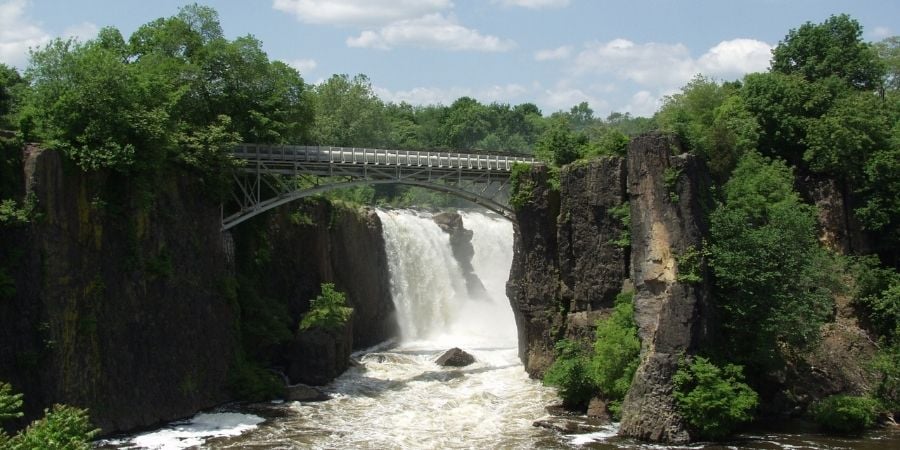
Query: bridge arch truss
point(272, 176)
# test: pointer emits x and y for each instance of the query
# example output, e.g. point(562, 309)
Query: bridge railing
point(354, 155)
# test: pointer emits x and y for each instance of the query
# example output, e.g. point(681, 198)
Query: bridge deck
point(286, 158)
point(479, 178)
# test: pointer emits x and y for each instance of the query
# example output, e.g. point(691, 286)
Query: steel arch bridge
point(273, 175)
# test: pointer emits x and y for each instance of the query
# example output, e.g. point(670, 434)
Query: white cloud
point(359, 12)
point(643, 103)
point(880, 33)
point(507, 93)
point(735, 58)
point(664, 66)
point(303, 65)
point(84, 31)
point(430, 31)
point(18, 33)
point(553, 54)
point(534, 4)
point(567, 93)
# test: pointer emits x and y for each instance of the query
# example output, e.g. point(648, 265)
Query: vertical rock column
point(667, 223)
point(533, 286)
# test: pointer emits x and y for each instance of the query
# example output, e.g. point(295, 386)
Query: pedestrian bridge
point(272, 175)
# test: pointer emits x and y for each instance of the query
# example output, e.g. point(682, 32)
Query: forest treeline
point(176, 95)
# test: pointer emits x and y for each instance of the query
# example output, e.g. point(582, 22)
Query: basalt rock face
point(533, 286)
point(128, 304)
point(463, 250)
point(566, 268)
point(667, 222)
point(118, 305)
point(592, 265)
point(290, 252)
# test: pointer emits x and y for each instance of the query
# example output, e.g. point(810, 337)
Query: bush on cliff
point(607, 372)
point(845, 413)
point(62, 427)
point(328, 310)
point(772, 280)
point(616, 351)
point(571, 374)
point(714, 400)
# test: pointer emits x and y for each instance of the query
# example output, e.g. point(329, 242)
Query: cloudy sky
point(622, 55)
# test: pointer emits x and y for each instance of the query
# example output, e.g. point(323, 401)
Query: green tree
point(465, 124)
point(714, 400)
point(889, 52)
point(348, 113)
point(616, 351)
point(832, 48)
point(61, 428)
point(772, 283)
point(559, 145)
point(328, 310)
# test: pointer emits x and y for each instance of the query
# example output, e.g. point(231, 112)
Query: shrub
point(570, 373)
point(616, 352)
point(250, 382)
point(62, 427)
point(521, 186)
point(886, 365)
point(713, 400)
point(328, 311)
point(845, 413)
point(622, 213)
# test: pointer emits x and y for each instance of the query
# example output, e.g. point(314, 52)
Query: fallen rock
point(569, 425)
point(597, 409)
point(304, 393)
point(455, 358)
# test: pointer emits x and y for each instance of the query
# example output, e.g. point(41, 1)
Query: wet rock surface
point(463, 250)
point(454, 357)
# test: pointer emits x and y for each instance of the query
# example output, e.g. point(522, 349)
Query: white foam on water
point(190, 433)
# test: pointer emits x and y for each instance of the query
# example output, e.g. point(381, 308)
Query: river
point(396, 397)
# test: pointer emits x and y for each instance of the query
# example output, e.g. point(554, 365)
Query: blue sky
point(617, 55)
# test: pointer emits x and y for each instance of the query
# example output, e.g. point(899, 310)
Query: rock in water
point(455, 358)
point(304, 393)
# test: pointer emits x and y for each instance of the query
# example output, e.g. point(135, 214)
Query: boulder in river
point(303, 393)
point(455, 358)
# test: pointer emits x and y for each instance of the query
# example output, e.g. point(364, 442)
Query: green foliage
point(714, 400)
point(521, 185)
point(877, 294)
point(833, 48)
point(349, 114)
point(622, 213)
point(249, 382)
point(689, 265)
point(559, 145)
point(889, 52)
point(10, 403)
point(571, 374)
point(327, 311)
point(616, 351)
point(62, 427)
point(12, 214)
point(845, 413)
point(177, 92)
point(608, 370)
point(886, 365)
point(772, 279)
point(670, 181)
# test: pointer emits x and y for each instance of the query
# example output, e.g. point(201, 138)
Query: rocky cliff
point(129, 305)
point(671, 295)
point(567, 267)
point(118, 304)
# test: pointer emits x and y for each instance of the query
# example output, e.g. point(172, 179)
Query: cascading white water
point(428, 286)
point(397, 397)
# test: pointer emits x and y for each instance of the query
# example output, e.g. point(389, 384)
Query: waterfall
point(429, 289)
